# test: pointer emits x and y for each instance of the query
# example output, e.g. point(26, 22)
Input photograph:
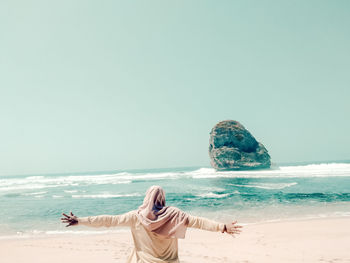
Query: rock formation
point(232, 147)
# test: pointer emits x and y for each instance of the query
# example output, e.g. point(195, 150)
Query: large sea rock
point(233, 147)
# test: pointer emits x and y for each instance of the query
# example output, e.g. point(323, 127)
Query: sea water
point(32, 205)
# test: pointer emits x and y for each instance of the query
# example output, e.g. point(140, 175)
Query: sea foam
point(271, 186)
point(105, 195)
point(212, 195)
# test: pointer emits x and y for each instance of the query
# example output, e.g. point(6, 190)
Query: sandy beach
point(315, 240)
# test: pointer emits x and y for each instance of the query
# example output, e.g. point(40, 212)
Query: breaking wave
point(106, 195)
point(10, 184)
point(212, 195)
point(269, 186)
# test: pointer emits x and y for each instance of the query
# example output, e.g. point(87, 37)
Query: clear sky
point(102, 85)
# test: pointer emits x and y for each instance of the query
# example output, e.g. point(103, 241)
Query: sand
point(316, 240)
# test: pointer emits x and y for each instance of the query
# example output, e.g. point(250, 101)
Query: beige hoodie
point(149, 247)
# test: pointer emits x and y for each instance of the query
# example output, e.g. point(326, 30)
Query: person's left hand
point(70, 219)
point(232, 228)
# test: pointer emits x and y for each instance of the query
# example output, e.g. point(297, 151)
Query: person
point(155, 227)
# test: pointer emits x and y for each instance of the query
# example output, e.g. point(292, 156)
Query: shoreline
point(308, 240)
point(84, 231)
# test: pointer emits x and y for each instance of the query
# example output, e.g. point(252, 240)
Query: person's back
point(152, 247)
point(155, 240)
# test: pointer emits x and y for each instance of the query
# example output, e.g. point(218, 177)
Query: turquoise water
point(33, 204)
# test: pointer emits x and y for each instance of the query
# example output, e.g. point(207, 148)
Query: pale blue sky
point(102, 85)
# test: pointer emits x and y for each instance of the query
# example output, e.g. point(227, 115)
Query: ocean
point(32, 205)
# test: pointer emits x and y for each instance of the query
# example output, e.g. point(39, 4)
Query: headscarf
point(164, 220)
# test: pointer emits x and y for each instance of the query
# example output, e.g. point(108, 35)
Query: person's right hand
point(232, 228)
point(70, 219)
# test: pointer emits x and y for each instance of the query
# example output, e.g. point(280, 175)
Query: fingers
point(70, 224)
point(69, 216)
point(233, 229)
point(235, 224)
point(69, 219)
point(65, 215)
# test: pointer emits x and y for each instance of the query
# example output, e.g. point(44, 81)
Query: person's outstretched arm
point(210, 225)
point(126, 219)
